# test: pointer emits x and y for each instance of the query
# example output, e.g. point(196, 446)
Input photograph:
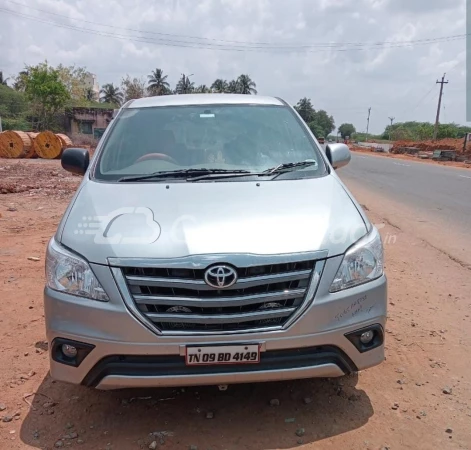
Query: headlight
point(362, 263)
point(66, 272)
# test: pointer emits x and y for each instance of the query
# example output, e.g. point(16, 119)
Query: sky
point(291, 49)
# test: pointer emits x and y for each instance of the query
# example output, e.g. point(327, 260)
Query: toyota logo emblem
point(220, 277)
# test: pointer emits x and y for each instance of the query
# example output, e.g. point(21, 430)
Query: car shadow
point(252, 416)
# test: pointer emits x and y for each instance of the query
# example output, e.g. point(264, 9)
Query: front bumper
point(127, 354)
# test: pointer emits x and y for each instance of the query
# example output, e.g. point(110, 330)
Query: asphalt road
point(431, 200)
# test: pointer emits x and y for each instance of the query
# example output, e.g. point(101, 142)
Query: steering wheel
point(161, 156)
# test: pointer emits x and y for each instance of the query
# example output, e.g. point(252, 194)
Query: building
point(91, 83)
point(91, 122)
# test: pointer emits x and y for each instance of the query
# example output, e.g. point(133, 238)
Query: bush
point(83, 139)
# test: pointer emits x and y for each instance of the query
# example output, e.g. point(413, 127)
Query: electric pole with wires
point(391, 119)
point(437, 119)
point(368, 123)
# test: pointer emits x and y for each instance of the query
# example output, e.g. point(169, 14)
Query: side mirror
point(75, 160)
point(338, 155)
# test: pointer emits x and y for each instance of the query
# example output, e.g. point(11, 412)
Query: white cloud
point(345, 83)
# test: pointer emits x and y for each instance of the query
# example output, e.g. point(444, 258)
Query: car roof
point(203, 99)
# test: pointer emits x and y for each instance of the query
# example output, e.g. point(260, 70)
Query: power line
point(277, 44)
point(313, 48)
point(420, 101)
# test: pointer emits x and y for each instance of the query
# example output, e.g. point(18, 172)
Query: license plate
point(231, 354)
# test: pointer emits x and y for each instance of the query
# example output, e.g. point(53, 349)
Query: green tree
point(47, 94)
point(325, 122)
point(75, 80)
point(246, 85)
point(202, 89)
point(185, 85)
point(419, 131)
point(219, 86)
point(111, 94)
point(347, 129)
point(3, 81)
point(133, 88)
point(14, 109)
point(20, 81)
point(233, 87)
point(158, 84)
point(462, 131)
point(305, 109)
point(316, 129)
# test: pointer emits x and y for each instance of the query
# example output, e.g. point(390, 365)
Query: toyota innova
point(211, 242)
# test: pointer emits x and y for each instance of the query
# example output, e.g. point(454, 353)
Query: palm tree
point(305, 109)
point(233, 87)
point(158, 84)
point(111, 94)
point(202, 89)
point(246, 85)
point(3, 81)
point(184, 85)
point(219, 86)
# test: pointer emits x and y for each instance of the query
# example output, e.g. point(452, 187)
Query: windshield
point(251, 138)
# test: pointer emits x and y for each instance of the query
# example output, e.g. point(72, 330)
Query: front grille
point(179, 300)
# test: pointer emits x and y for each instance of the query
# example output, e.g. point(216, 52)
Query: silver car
point(210, 243)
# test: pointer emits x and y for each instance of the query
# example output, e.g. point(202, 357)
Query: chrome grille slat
point(220, 318)
point(176, 299)
point(200, 285)
point(242, 300)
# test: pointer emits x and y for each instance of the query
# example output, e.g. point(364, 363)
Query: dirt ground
point(419, 398)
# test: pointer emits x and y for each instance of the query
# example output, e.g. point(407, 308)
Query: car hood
point(160, 220)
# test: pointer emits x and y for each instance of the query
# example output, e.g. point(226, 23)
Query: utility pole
point(368, 123)
point(441, 83)
point(391, 119)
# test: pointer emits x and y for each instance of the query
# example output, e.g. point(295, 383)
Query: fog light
point(367, 337)
point(69, 350)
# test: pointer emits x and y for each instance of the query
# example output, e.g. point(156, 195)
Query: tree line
point(35, 97)
point(157, 84)
point(38, 95)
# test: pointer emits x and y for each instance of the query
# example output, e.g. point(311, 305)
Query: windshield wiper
point(184, 173)
point(288, 167)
